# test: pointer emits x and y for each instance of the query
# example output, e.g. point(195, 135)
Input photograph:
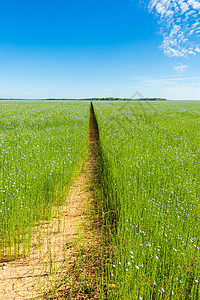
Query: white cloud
point(180, 67)
point(179, 22)
point(183, 6)
point(195, 4)
point(197, 49)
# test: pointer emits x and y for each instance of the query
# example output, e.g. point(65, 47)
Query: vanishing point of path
point(65, 254)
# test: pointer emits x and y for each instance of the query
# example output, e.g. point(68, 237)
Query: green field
point(150, 175)
point(150, 181)
point(41, 145)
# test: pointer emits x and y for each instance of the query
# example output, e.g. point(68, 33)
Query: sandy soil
point(58, 244)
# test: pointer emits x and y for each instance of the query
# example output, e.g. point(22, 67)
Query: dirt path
point(65, 258)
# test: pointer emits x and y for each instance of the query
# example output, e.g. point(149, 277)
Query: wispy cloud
point(171, 87)
point(179, 22)
point(180, 67)
point(149, 80)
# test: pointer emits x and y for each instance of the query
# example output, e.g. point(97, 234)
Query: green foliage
point(126, 99)
point(151, 160)
point(41, 147)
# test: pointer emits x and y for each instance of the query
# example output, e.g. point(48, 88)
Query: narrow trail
point(81, 278)
point(65, 254)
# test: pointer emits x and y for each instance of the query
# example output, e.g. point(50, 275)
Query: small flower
point(137, 267)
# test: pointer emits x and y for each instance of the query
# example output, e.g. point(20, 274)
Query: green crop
point(42, 145)
point(150, 175)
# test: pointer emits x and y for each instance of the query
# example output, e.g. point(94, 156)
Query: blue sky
point(100, 48)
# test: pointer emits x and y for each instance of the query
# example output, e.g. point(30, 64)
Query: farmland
point(42, 145)
point(150, 175)
point(149, 162)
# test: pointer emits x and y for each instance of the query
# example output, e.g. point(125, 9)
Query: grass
point(150, 176)
point(148, 201)
point(42, 145)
